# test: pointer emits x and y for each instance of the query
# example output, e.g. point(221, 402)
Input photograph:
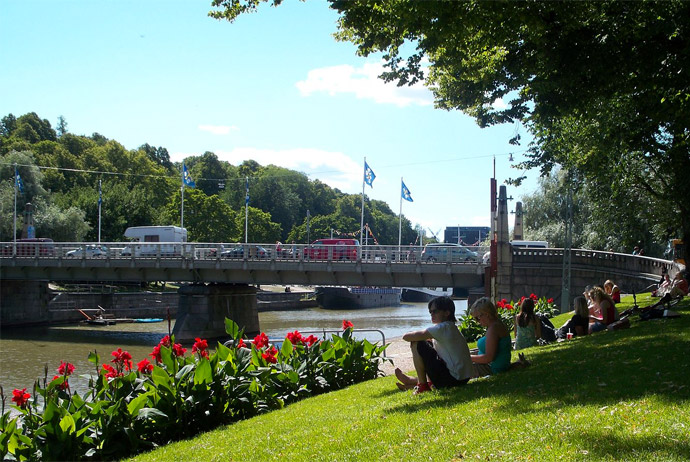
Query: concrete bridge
point(222, 279)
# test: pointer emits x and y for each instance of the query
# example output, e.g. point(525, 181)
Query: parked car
point(88, 251)
point(255, 251)
point(454, 253)
point(335, 249)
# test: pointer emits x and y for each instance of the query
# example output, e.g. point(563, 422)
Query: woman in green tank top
point(495, 347)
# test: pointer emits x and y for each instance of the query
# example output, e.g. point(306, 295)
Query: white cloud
point(364, 83)
point(333, 168)
point(218, 129)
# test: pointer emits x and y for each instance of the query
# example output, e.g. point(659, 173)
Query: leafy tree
point(158, 155)
point(259, 226)
point(207, 218)
point(61, 128)
point(66, 225)
point(600, 84)
point(207, 172)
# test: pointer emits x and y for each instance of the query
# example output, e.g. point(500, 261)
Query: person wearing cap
point(440, 353)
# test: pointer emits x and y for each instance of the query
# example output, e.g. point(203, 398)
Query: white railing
point(237, 251)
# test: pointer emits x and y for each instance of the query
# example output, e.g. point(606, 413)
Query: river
point(24, 352)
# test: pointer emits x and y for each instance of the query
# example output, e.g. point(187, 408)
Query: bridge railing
point(236, 251)
point(613, 260)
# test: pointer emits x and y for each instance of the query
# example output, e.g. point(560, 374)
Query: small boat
point(148, 319)
point(343, 298)
point(424, 294)
point(98, 321)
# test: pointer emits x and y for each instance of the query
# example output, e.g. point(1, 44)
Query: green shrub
point(130, 408)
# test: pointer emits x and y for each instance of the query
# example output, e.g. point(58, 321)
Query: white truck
point(154, 241)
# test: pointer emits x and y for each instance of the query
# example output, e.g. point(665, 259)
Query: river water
point(24, 352)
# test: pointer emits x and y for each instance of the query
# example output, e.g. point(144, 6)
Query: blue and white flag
point(246, 197)
point(18, 181)
point(369, 176)
point(405, 192)
point(186, 178)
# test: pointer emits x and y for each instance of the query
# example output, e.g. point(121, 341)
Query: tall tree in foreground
point(602, 85)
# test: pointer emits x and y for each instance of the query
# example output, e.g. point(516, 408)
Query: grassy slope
point(621, 395)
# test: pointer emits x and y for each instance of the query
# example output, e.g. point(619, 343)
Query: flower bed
point(507, 311)
point(129, 409)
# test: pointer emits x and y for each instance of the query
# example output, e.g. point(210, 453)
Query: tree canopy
point(602, 85)
point(61, 177)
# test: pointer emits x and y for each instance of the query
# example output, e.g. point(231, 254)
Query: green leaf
point(203, 372)
point(161, 378)
point(94, 358)
point(231, 328)
point(186, 370)
point(328, 354)
point(287, 348)
point(67, 424)
point(151, 413)
point(222, 352)
point(137, 404)
point(50, 411)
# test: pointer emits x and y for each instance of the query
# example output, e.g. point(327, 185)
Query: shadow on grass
point(609, 446)
point(650, 358)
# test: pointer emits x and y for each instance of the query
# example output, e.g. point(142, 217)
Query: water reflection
point(25, 352)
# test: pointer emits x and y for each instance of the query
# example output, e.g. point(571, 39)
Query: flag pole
point(400, 216)
point(14, 222)
point(99, 211)
point(246, 213)
point(182, 198)
point(361, 223)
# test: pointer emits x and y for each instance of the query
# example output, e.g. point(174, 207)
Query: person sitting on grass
point(440, 353)
point(612, 289)
point(678, 287)
point(603, 311)
point(527, 325)
point(578, 325)
point(495, 347)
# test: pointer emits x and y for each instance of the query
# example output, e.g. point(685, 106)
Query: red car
point(332, 249)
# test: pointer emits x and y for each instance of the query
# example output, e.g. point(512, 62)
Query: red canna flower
point(178, 350)
point(270, 355)
point(200, 346)
point(500, 304)
point(165, 341)
point(347, 324)
point(144, 366)
point(309, 341)
point(508, 306)
point(549, 300)
point(156, 354)
point(62, 386)
point(110, 372)
point(20, 397)
point(261, 340)
point(120, 357)
point(294, 337)
point(241, 344)
point(533, 297)
point(65, 368)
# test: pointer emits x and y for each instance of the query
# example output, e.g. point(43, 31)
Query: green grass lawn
point(622, 395)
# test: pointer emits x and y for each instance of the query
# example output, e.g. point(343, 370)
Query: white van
point(169, 237)
point(530, 244)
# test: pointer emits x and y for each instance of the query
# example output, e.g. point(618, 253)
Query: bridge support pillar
point(504, 251)
point(203, 308)
point(23, 303)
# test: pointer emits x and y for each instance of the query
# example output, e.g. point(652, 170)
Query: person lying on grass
point(440, 353)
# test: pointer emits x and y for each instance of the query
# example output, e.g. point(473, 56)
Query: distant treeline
point(60, 174)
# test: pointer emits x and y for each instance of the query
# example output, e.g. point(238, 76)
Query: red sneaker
point(421, 388)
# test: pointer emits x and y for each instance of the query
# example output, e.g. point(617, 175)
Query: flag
point(246, 197)
point(369, 176)
point(186, 178)
point(19, 182)
point(405, 192)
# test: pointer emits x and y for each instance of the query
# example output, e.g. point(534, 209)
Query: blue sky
point(273, 86)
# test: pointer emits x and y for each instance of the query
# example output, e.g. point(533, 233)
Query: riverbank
point(618, 395)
